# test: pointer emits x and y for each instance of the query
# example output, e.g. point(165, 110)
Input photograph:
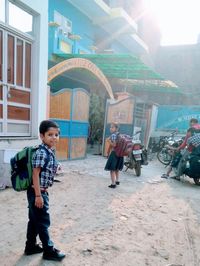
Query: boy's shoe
point(33, 250)
point(117, 183)
point(112, 186)
point(53, 254)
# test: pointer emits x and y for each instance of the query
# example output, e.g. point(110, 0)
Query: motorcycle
point(137, 157)
point(188, 166)
point(165, 153)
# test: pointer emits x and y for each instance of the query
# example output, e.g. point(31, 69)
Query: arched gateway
point(80, 63)
point(70, 109)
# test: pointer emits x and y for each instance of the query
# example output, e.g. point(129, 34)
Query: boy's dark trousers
point(39, 221)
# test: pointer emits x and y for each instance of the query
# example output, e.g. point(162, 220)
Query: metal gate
point(132, 115)
point(70, 109)
point(122, 112)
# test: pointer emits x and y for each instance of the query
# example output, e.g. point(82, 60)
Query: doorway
point(96, 124)
point(15, 84)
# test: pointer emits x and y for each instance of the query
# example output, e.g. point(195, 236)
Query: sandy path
point(139, 223)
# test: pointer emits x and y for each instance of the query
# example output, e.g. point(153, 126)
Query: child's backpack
point(124, 145)
point(21, 167)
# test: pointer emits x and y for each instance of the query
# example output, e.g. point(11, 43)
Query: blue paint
point(79, 129)
point(82, 26)
point(171, 117)
point(64, 127)
point(90, 33)
point(72, 128)
point(59, 83)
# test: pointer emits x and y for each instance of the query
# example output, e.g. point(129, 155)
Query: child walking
point(114, 163)
point(44, 169)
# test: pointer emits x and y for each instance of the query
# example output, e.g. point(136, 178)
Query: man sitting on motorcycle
point(194, 128)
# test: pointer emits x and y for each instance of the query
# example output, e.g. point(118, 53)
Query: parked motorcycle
point(137, 157)
point(188, 165)
point(165, 152)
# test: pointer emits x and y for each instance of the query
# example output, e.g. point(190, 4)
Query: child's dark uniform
point(39, 219)
point(114, 163)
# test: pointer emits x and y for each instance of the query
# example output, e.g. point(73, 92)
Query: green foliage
point(96, 118)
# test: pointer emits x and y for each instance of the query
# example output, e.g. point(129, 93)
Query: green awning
point(164, 86)
point(121, 66)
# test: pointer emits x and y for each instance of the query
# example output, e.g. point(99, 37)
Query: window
point(2, 10)
point(15, 71)
point(16, 17)
point(65, 25)
point(20, 19)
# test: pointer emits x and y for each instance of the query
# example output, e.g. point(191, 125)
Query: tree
point(96, 119)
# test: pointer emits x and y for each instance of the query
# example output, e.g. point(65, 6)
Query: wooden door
point(79, 123)
point(1, 82)
point(15, 85)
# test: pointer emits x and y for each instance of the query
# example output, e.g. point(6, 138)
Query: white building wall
point(9, 146)
point(40, 66)
point(154, 116)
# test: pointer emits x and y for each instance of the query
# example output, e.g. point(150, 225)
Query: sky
point(179, 20)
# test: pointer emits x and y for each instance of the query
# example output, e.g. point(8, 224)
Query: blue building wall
point(82, 26)
point(172, 117)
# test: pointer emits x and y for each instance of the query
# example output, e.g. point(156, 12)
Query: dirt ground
point(144, 221)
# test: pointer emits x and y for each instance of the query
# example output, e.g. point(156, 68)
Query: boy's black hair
point(46, 124)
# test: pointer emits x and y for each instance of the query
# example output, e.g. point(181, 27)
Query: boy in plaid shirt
point(44, 169)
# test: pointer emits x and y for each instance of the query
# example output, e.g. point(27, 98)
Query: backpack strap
point(46, 160)
point(48, 156)
point(117, 136)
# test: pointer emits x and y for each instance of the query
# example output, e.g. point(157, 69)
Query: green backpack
point(21, 167)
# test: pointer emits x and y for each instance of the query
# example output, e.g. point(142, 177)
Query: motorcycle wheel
point(164, 157)
point(138, 168)
point(197, 181)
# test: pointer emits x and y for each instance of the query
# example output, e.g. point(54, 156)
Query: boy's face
point(51, 137)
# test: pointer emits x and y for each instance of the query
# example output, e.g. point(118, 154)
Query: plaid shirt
point(40, 158)
point(113, 136)
point(194, 140)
